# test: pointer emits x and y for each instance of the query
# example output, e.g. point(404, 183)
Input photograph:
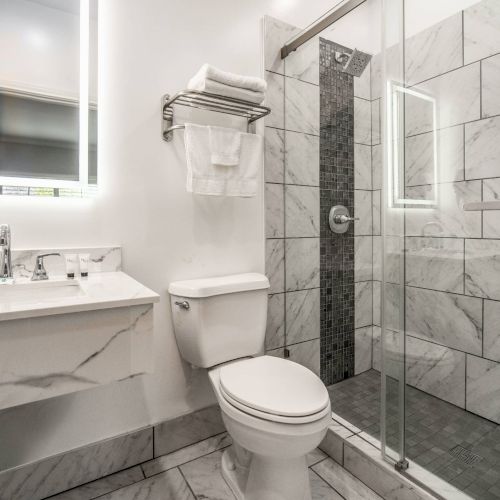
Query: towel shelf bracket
point(209, 102)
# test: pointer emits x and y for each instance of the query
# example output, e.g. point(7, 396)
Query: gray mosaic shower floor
point(456, 445)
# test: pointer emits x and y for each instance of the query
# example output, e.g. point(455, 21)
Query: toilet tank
point(219, 319)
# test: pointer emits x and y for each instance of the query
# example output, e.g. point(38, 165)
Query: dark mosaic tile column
point(336, 188)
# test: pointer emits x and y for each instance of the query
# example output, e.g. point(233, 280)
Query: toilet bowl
point(276, 410)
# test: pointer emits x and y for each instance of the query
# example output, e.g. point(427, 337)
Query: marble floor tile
point(168, 485)
point(481, 30)
point(450, 320)
point(362, 84)
point(362, 121)
point(303, 63)
point(187, 429)
point(362, 166)
point(435, 263)
point(490, 82)
point(363, 210)
point(301, 159)
point(363, 340)
point(306, 354)
point(275, 210)
point(482, 150)
point(492, 330)
point(275, 327)
point(102, 486)
point(275, 100)
point(274, 155)
point(302, 315)
point(315, 456)
point(482, 268)
point(302, 211)
point(483, 388)
point(363, 300)
point(276, 34)
point(375, 121)
point(320, 489)
point(301, 106)
point(275, 265)
point(205, 478)
point(363, 258)
point(184, 455)
point(302, 263)
point(435, 50)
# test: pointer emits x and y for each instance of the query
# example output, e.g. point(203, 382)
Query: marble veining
point(302, 211)
point(301, 159)
point(363, 258)
point(276, 34)
point(302, 263)
point(362, 166)
point(274, 155)
point(376, 212)
point(363, 342)
point(482, 268)
point(492, 330)
point(303, 63)
point(375, 121)
point(377, 166)
point(362, 121)
point(363, 210)
point(363, 294)
point(275, 216)
point(307, 354)
point(302, 315)
point(491, 218)
point(274, 100)
point(482, 149)
point(301, 106)
point(275, 327)
point(490, 80)
point(275, 265)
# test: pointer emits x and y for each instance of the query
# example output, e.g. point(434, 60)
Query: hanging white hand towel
point(225, 146)
point(203, 177)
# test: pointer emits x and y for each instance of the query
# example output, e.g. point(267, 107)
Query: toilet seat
point(274, 389)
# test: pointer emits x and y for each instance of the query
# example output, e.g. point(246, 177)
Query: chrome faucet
point(5, 256)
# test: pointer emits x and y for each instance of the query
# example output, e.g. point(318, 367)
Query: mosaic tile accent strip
point(336, 188)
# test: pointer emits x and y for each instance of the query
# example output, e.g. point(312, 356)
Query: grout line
point(187, 482)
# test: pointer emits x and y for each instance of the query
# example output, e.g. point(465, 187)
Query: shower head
point(354, 63)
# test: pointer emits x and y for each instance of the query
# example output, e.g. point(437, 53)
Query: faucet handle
point(39, 273)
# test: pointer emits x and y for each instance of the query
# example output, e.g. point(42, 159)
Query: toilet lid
point(274, 385)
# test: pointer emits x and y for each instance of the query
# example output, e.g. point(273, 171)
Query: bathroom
point(379, 335)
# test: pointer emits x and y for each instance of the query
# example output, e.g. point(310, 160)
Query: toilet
point(275, 410)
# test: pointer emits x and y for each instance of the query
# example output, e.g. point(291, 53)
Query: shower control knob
point(339, 219)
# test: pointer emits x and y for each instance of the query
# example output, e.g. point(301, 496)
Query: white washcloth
point(215, 87)
point(219, 180)
point(225, 146)
point(208, 72)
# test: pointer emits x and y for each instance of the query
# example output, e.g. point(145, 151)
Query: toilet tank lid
point(208, 287)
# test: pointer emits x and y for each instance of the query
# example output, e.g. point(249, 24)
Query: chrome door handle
point(183, 305)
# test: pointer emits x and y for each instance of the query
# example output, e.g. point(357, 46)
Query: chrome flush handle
point(183, 305)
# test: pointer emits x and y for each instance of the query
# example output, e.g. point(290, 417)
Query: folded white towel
point(227, 90)
point(208, 72)
point(203, 177)
point(225, 146)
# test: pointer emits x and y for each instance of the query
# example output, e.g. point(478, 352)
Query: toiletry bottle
point(71, 259)
point(84, 264)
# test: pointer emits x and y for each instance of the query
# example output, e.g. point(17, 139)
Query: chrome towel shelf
point(210, 102)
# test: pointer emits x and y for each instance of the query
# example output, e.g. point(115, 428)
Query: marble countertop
point(59, 295)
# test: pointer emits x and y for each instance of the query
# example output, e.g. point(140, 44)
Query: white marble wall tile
point(376, 212)
point(375, 121)
point(363, 302)
point(491, 218)
point(302, 211)
point(187, 429)
point(302, 315)
point(376, 76)
point(363, 210)
point(363, 340)
point(481, 30)
point(444, 318)
point(302, 159)
point(393, 258)
point(303, 63)
point(436, 263)
point(377, 167)
point(362, 166)
point(420, 161)
point(490, 83)
point(274, 155)
point(482, 268)
point(306, 354)
point(363, 255)
point(302, 263)
point(275, 328)
point(276, 34)
point(377, 305)
point(107, 259)
point(275, 100)
point(483, 388)
point(436, 370)
point(62, 472)
point(362, 84)
point(277, 353)
point(301, 106)
point(377, 257)
point(435, 50)
point(275, 210)
point(492, 330)
point(362, 121)
point(376, 353)
point(457, 96)
point(449, 219)
point(275, 265)
point(482, 149)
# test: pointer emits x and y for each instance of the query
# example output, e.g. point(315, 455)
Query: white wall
point(148, 47)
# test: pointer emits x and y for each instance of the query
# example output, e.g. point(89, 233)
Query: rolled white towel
point(227, 90)
point(208, 72)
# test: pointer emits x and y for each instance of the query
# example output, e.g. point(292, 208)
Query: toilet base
point(255, 477)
